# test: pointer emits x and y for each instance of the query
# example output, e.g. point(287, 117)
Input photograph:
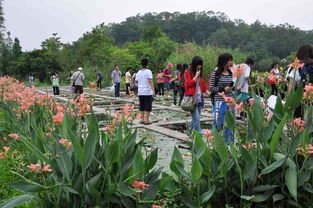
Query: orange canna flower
point(58, 118)
point(14, 136)
point(34, 167)
point(6, 149)
point(139, 185)
point(156, 206)
point(46, 168)
point(2, 156)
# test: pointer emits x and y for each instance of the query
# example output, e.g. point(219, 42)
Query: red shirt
point(190, 84)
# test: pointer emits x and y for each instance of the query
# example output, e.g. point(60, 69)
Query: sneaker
point(173, 105)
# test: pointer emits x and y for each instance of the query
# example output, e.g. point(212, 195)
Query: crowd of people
point(187, 85)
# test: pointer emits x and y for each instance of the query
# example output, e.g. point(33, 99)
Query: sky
point(33, 21)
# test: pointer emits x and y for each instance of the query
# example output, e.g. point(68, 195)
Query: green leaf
point(205, 197)
point(17, 201)
point(196, 170)
point(151, 192)
point(277, 133)
point(64, 161)
point(151, 160)
point(262, 197)
point(248, 198)
point(273, 166)
point(138, 166)
point(262, 188)
point(249, 173)
point(291, 181)
point(303, 177)
point(278, 197)
point(293, 100)
point(112, 153)
point(27, 187)
point(92, 139)
point(177, 160)
point(220, 146)
point(230, 120)
point(68, 133)
point(183, 172)
point(308, 187)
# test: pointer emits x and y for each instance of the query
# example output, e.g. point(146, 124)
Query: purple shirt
point(167, 71)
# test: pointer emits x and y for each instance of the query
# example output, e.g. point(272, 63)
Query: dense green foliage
point(160, 37)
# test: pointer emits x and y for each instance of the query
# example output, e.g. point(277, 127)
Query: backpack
point(216, 80)
point(306, 74)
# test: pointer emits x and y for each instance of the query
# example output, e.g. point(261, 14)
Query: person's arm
point(152, 86)
point(189, 81)
point(112, 77)
point(83, 77)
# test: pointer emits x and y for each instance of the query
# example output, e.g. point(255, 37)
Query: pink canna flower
point(139, 185)
point(46, 168)
point(14, 136)
point(208, 134)
point(65, 143)
point(2, 156)
point(238, 70)
point(239, 106)
point(58, 118)
point(251, 101)
point(6, 149)
point(34, 167)
point(308, 88)
point(156, 206)
point(249, 146)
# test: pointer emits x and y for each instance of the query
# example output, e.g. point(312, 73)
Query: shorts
point(78, 89)
point(241, 96)
point(145, 103)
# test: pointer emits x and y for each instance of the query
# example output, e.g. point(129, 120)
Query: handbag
point(189, 103)
point(133, 87)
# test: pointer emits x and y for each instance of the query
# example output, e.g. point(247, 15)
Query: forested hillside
point(160, 37)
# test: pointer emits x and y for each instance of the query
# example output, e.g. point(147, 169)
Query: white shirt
point(128, 77)
point(80, 78)
point(142, 77)
point(294, 74)
point(243, 79)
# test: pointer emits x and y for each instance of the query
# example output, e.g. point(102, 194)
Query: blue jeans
point(167, 86)
point(117, 89)
point(219, 110)
point(195, 122)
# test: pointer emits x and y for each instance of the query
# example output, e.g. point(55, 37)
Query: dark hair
point(144, 62)
point(160, 70)
point(249, 61)
point(273, 64)
point(305, 54)
point(115, 65)
point(128, 68)
point(179, 67)
point(222, 60)
point(196, 61)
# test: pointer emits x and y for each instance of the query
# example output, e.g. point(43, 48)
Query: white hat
point(80, 69)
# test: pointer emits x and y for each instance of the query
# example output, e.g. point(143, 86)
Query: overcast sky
point(33, 21)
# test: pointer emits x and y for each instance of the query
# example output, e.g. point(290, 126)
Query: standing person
point(242, 83)
point(274, 71)
point(305, 55)
point(167, 74)
point(116, 80)
point(174, 83)
point(128, 77)
point(71, 82)
point(146, 91)
point(31, 80)
point(55, 84)
point(195, 86)
point(160, 81)
point(181, 83)
point(222, 81)
point(78, 79)
point(99, 79)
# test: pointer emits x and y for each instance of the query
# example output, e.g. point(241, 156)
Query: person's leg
point(195, 121)
point(115, 90)
point(162, 87)
point(159, 88)
point(57, 90)
point(100, 85)
point(175, 96)
point(273, 89)
point(118, 89)
point(127, 88)
point(81, 89)
point(148, 108)
point(141, 109)
point(53, 87)
point(181, 95)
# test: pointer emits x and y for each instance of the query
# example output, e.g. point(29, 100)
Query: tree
point(151, 33)
point(16, 49)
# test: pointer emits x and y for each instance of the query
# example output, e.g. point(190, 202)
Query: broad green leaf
point(27, 187)
point(293, 100)
point(262, 197)
point(205, 197)
point(92, 139)
point(151, 160)
point(139, 166)
point(308, 187)
point(17, 201)
point(262, 188)
point(249, 173)
point(68, 133)
point(277, 133)
point(151, 192)
point(153, 176)
point(183, 172)
point(291, 181)
point(220, 146)
point(248, 198)
point(230, 120)
point(177, 159)
point(113, 153)
point(64, 161)
point(196, 170)
point(273, 166)
point(303, 177)
point(278, 197)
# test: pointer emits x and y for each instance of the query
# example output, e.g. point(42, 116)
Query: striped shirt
point(224, 81)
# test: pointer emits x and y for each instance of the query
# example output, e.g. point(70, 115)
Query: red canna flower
point(139, 185)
